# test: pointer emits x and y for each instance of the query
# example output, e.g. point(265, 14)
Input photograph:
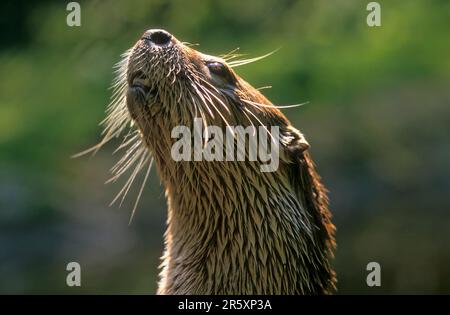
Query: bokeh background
point(378, 119)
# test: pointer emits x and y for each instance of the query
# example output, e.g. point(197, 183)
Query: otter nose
point(157, 37)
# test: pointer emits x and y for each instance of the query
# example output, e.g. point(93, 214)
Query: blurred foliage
point(378, 120)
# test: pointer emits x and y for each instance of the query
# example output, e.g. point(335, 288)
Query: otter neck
point(234, 229)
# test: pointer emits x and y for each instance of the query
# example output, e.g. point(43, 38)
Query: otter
point(231, 228)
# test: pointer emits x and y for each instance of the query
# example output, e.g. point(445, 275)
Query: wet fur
point(231, 228)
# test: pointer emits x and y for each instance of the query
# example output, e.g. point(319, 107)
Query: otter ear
point(297, 144)
point(301, 142)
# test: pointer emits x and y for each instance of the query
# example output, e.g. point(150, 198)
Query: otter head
point(163, 83)
point(169, 84)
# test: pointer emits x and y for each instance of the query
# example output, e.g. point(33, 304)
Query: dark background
point(378, 120)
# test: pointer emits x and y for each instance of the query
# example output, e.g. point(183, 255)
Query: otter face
point(162, 71)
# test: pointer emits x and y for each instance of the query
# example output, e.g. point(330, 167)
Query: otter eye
point(217, 68)
point(221, 72)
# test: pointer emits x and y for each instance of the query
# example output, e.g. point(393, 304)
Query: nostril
point(158, 37)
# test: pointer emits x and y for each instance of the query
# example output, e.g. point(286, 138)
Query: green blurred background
point(378, 119)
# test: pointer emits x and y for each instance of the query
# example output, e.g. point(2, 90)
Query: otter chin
point(231, 228)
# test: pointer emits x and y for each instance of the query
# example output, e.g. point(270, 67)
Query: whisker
point(141, 190)
point(271, 136)
point(242, 62)
point(271, 105)
point(124, 191)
